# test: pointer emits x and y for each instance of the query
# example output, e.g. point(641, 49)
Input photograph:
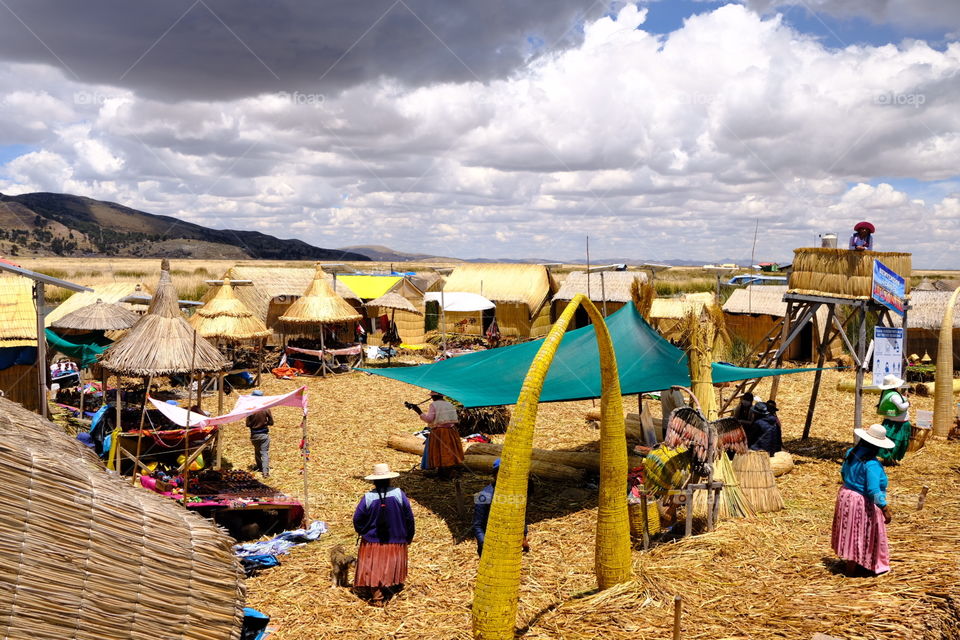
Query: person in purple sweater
point(384, 521)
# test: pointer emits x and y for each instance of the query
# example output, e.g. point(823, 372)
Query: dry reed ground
point(772, 576)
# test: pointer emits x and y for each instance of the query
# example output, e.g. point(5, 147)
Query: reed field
point(770, 575)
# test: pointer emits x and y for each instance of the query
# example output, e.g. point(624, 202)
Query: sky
point(668, 129)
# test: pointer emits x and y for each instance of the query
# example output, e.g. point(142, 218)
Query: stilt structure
point(840, 281)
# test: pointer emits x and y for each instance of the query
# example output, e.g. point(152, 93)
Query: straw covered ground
point(772, 576)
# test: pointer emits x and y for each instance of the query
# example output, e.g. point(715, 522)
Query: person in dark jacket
point(764, 434)
point(259, 424)
point(481, 512)
point(384, 521)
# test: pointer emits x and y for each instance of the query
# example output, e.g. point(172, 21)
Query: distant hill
point(69, 225)
point(380, 253)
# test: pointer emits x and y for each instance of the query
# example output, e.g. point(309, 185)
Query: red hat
point(865, 225)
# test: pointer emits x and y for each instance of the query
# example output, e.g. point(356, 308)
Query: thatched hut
point(19, 379)
point(410, 324)
point(608, 290)
point(667, 314)
point(923, 323)
point(752, 312)
point(162, 342)
point(319, 305)
point(111, 293)
point(224, 318)
point(87, 556)
point(99, 316)
point(273, 290)
point(522, 293)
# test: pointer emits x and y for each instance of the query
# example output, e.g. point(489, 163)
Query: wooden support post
point(821, 357)
point(677, 607)
point(861, 354)
point(42, 370)
point(645, 520)
point(775, 385)
point(305, 456)
point(263, 354)
point(688, 493)
point(143, 417)
point(218, 446)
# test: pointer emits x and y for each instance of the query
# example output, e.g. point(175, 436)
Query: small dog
point(340, 563)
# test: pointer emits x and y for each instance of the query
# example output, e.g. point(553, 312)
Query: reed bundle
point(225, 317)
point(480, 463)
point(705, 335)
point(943, 410)
point(162, 342)
point(842, 273)
point(642, 294)
point(781, 463)
point(733, 503)
point(589, 460)
point(641, 520)
point(757, 481)
point(86, 556)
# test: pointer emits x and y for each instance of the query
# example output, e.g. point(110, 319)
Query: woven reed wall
point(409, 325)
point(513, 318)
point(753, 328)
point(542, 322)
point(466, 323)
point(86, 556)
point(19, 383)
point(560, 305)
point(840, 273)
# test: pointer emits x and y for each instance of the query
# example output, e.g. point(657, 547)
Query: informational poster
point(887, 353)
point(889, 289)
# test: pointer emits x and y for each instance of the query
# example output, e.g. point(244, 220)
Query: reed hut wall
point(841, 273)
point(87, 556)
point(409, 325)
point(920, 341)
point(580, 318)
point(20, 384)
point(542, 322)
point(753, 328)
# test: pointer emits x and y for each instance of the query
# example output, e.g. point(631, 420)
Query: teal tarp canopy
point(645, 361)
point(85, 348)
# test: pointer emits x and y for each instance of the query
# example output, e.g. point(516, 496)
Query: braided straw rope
point(498, 579)
point(943, 391)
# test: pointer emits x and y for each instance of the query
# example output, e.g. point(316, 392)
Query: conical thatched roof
point(393, 301)
point(319, 305)
point(99, 316)
point(86, 556)
point(162, 341)
point(225, 317)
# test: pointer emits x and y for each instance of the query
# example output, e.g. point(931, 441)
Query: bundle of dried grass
point(538, 468)
point(99, 316)
point(162, 342)
point(781, 463)
point(842, 273)
point(225, 317)
point(88, 557)
point(642, 294)
point(733, 503)
point(319, 305)
point(18, 317)
point(589, 460)
point(705, 335)
point(757, 481)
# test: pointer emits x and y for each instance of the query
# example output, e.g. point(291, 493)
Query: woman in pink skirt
point(384, 522)
point(861, 516)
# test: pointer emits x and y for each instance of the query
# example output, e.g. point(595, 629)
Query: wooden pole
point(305, 455)
point(775, 385)
point(81, 393)
point(263, 350)
point(603, 293)
point(186, 431)
point(143, 417)
point(677, 607)
point(323, 351)
point(827, 331)
point(42, 371)
point(861, 349)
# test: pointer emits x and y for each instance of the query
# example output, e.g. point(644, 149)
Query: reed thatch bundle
point(733, 503)
point(86, 556)
point(480, 463)
point(841, 273)
point(642, 294)
point(319, 305)
point(18, 316)
point(589, 460)
point(781, 463)
point(225, 317)
point(99, 316)
point(942, 396)
point(162, 342)
point(757, 481)
point(393, 301)
point(705, 335)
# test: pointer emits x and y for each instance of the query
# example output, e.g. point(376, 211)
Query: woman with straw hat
point(895, 410)
point(861, 514)
point(384, 521)
point(862, 238)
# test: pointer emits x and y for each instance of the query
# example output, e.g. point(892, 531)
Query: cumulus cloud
point(656, 146)
point(916, 13)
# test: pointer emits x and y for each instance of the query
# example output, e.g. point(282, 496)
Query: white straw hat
point(891, 381)
point(875, 434)
point(381, 471)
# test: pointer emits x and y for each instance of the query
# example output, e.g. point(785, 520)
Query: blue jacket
point(766, 431)
point(863, 473)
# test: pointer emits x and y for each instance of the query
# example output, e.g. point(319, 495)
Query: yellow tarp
point(370, 287)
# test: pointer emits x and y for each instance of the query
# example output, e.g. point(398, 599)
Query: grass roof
point(225, 317)
point(529, 284)
point(319, 304)
point(615, 285)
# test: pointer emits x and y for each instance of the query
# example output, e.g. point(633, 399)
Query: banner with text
point(887, 353)
point(889, 289)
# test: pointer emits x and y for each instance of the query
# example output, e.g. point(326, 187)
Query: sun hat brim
point(381, 476)
point(883, 443)
point(900, 382)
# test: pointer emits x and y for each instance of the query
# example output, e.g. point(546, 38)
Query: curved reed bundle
point(842, 273)
point(162, 342)
point(225, 317)
point(86, 556)
point(757, 481)
point(942, 396)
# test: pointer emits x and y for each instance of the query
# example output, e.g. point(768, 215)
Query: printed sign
point(889, 289)
point(887, 353)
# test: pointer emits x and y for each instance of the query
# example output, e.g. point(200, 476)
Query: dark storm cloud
point(216, 49)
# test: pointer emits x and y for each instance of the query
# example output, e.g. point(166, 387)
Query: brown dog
point(340, 566)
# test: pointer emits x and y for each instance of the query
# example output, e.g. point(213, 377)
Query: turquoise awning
point(86, 348)
point(645, 361)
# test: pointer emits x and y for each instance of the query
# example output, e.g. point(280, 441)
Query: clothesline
point(353, 350)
